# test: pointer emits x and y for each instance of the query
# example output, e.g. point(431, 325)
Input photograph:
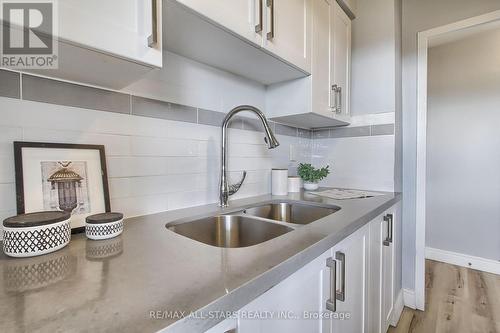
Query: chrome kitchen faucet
point(227, 190)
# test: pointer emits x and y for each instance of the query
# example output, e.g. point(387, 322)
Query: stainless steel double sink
point(252, 225)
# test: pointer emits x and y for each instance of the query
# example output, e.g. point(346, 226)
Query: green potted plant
point(311, 176)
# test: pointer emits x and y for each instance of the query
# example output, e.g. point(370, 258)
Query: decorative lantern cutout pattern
point(66, 188)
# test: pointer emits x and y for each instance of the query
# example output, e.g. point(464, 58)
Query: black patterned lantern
point(68, 185)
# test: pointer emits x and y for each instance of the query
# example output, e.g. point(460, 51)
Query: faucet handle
point(235, 187)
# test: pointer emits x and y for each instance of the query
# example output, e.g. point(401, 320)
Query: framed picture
point(61, 176)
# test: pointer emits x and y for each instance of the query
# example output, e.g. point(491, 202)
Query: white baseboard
point(398, 309)
point(464, 260)
point(409, 298)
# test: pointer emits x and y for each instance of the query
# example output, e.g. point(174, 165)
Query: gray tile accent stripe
point(321, 134)
point(386, 129)
point(212, 118)
point(351, 132)
point(285, 130)
point(215, 118)
point(62, 93)
point(251, 124)
point(163, 110)
point(53, 91)
point(303, 133)
point(348, 132)
point(9, 84)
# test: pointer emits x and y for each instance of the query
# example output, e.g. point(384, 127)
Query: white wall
point(373, 57)
point(463, 142)
point(419, 15)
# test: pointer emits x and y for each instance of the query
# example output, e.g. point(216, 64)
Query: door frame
point(423, 45)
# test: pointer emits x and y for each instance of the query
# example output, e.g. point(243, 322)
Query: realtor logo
point(27, 34)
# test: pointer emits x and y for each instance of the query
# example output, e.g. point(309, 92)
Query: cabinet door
point(388, 274)
point(122, 28)
point(375, 275)
point(243, 17)
point(290, 303)
point(381, 272)
point(287, 31)
point(321, 56)
point(352, 264)
point(341, 62)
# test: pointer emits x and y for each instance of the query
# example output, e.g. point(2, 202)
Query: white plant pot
point(311, 186)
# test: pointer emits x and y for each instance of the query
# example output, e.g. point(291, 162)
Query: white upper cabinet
point(109, 43)
point(243, 17)
point(340, 61)
point(129, 29)
point(287, 26)
point(322, 55)
point(279, 26)
point(321, 100)
point(264, 40)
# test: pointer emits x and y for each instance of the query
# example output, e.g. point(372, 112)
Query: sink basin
point(229, 231)
point(291, 212)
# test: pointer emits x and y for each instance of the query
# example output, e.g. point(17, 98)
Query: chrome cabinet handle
point(389, 219)
point(331, 303)
point(270, 4)
point(258, 27)
point(153, 38)
point(339, 104)
point(337, 98)
point(340, 295)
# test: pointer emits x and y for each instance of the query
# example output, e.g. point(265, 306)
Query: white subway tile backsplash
point(141, 205)
point(370, 167)
point(186, 165)
point(7, 172)
point(7, 197)
point(119, 188)
point(249, 163)
point(7, 136)
point(178, 200)
point(136, 166)
point(116, 145)
point(3, 216)
point(150, 146)
point(249, 150)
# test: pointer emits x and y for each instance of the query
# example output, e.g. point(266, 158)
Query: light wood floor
point(457, 300)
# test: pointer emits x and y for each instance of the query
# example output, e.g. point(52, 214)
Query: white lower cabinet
point(348, 289)
point(290, 302)
point(382, 271)
point(351, 258)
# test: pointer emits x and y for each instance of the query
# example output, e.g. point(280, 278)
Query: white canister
point(34, 234)
point(104, 225)
point(294, 184)
point(279, 181)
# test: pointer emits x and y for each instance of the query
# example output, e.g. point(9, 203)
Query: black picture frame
point(19, 176)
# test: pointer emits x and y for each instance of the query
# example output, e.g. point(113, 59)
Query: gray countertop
point(115, 285)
